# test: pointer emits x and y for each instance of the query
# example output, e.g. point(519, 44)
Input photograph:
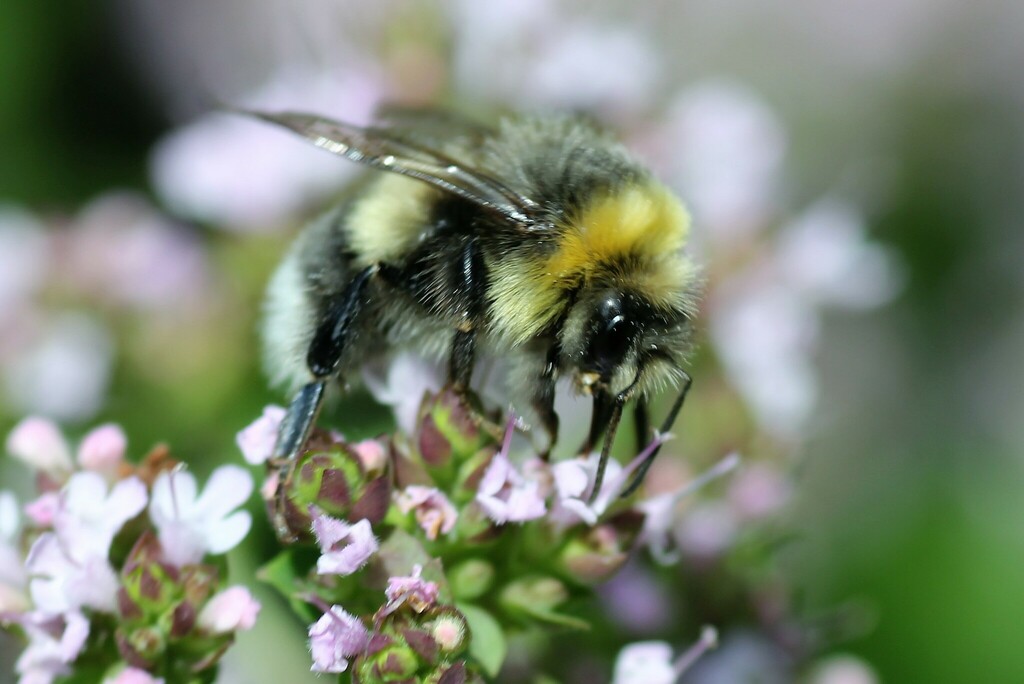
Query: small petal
point(43, 510)
point(413, 591)
point(133, 675)
point(39, 443)
point(506, 496)
point(645, 662)
point(189, 528)
point(434, 512)
point(346, 548)
point(230, 610)
point(87, 518)
point(258, 439)
point(103, 449)
point(60, 583)
point(334, 638)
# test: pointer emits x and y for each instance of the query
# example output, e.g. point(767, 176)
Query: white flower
point(62, 582)
point(401, 385)
point(54, 643)
point(240, 173)
point(726, 148)
point(189, 527)
point(87, 518)
point(574, 478)
point(65, 370)
point(645, 662)
point(12, 567)
point(659, 511)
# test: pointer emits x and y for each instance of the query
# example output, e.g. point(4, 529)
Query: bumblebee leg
point(642, 421)
point(470, 281)
point(614, 419)
point(544, 400)
point(641, 471)
point(325, 351)
point(599, 418)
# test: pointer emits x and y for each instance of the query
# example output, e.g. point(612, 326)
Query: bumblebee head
point(616, 340)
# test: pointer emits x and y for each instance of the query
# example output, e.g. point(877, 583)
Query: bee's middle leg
point(323, 357)
point(469, 282)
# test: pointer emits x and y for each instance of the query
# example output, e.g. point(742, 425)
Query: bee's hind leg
point(324, 355)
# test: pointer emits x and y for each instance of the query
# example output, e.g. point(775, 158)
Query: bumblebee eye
point(612, 333)
point(613, 341)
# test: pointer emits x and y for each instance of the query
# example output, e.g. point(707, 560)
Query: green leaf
point(487, 644)
point(286, 573)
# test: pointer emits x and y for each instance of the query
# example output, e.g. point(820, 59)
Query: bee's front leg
point(325, 351)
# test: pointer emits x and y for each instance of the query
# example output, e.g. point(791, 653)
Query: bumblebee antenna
point(641, 471)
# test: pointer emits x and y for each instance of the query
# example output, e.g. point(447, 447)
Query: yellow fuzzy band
point(634, 237)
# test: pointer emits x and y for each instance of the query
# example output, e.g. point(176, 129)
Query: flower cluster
point(111, 568)
point(433, 547)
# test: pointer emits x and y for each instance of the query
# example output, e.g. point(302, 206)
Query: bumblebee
point(539, 240)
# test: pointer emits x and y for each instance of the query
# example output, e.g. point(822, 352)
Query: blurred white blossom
point(242, 174)
point(66, 370)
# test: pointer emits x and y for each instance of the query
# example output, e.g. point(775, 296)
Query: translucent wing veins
point(383, 149)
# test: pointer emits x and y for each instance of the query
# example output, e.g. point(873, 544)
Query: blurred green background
point(910, 492)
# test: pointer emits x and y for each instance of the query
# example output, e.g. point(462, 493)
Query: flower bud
point(448, 433)
point(142, 646)
point(596, 553)
point(534, 594)
point(393, 663)
point(471, 579)
point(449, 630)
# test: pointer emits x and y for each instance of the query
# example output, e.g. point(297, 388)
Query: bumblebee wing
point(388, 150)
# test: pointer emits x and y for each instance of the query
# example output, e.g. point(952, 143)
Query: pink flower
point(133, 675)
point(334, 638)
point(39, 443)
point(506, 496)
point(103, 450)
point(230, 610)
point(372, 455)
point(345, 548)
point(43, 509)
point(413, 591)
point(258, 439)
point(759, 490)
point(54, 643)
point(434, 512)
point(190, 527)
